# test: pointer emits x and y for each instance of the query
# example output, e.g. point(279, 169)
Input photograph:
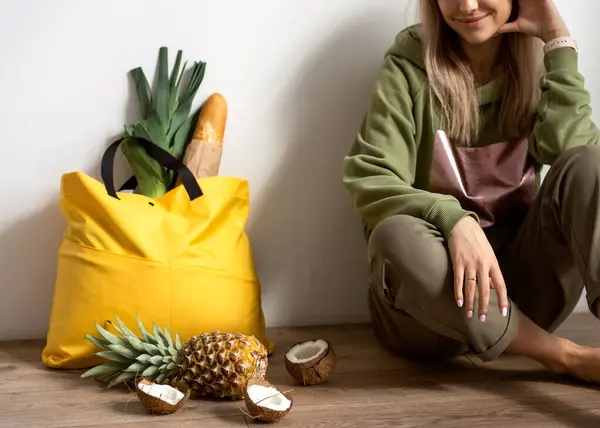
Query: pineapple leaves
point(163, 350)
point(124, 350)
point(109, 336)
point(116, 328)
point(147, 336)
point(173, 351)
point(162, 340)
point(122, 377)
point(136, 343)
point(157, 335)
point(150, 371)
point(168, 336)
point(172, 374)
point(151, 349)
point(125, 329)
point(105, 368)
point(136, 367)
point(100, 343)
point(156, 360)
point(128, 356)
point(143, 358)
point(105, 378)
point(113, 356)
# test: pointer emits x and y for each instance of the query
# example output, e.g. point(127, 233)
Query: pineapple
point(211, 364)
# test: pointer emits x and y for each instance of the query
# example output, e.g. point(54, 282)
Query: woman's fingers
point(470, 288)
point(475, 268)
point(483, 280)
point(510, 27)
point(500, 287)
point(459, 282)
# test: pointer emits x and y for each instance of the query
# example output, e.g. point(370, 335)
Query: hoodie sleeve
point(563, 112)
point(379, 170)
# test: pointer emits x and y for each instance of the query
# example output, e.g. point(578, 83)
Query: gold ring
point(470, 279)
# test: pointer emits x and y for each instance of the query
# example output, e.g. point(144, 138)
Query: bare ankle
point(557, 354)
point(565, 358)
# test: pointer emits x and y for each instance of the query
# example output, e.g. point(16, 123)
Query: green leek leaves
point(166, 121)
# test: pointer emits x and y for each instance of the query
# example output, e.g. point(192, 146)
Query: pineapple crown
point(152, 356)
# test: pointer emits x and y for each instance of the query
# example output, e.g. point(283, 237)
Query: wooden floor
point(371, 388)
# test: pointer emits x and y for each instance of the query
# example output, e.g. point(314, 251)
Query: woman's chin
point(476, 38)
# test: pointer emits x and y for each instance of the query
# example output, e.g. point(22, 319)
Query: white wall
point(297, 75)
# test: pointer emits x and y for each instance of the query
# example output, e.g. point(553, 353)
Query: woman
point(466, 251)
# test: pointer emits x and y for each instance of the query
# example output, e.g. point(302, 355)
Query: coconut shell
point(315, 371)
point(264, 414)
point(157, 406)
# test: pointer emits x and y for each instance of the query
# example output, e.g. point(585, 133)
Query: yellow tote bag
point(183, 260)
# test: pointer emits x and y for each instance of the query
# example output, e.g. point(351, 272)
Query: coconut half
point(311, 362)
point(160, 399)
point(265, 402)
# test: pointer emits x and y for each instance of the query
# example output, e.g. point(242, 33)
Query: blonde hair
point(452, 82)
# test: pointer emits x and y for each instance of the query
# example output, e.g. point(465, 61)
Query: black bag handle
point(158, 154)
point(130, 184)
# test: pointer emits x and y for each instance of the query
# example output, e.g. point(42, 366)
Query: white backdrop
point(297, 75)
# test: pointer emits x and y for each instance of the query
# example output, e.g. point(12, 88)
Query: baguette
point(212, 121)
point(203, 154)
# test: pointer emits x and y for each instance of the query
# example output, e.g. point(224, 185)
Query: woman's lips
point(472, 22)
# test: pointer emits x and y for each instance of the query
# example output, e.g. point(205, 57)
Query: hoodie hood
point(407, 45)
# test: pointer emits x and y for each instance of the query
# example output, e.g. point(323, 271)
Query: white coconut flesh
point(307, 351)
point(164, 393)
point(268, 397)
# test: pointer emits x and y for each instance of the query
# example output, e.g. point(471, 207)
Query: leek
point(166, 121)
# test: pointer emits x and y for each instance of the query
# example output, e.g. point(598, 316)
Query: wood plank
point(370, 388)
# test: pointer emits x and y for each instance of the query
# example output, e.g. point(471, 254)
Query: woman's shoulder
point(410, 33)
point(407, 48)
point(403, 69)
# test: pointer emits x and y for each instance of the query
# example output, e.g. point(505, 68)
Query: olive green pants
point(546, 261)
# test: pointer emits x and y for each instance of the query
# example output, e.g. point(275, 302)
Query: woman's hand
point(475, 264)
point(538, 18)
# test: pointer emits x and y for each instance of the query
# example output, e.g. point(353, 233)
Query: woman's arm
point(563, 118)
point(379, 169)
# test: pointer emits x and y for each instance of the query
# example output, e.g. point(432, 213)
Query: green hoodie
point(389, 167)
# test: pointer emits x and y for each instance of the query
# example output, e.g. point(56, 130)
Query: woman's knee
point(405, 249)
point(411, 273)
point(573, 180)
point(583, 162)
